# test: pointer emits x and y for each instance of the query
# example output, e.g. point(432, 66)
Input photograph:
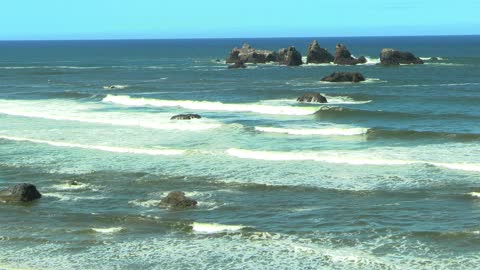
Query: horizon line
point(213, 38)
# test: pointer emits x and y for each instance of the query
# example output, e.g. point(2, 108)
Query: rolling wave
point(210, 106)
point(114, 149)
point(333, 131)
point(379, 133)
point(335, 157)
point(70, 111)
point(342, 112)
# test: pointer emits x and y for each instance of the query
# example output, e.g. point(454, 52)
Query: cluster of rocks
point(290, 56)
point(24, 193)
point(246, 54)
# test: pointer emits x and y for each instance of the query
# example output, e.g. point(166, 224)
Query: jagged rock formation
point(318, 55)
point(344, 57)
point(394, 57)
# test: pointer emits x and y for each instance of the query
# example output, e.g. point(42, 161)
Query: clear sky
point(125, 19)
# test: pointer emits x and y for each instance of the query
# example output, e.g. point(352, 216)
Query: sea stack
point(318, 55)
point(289, 57)
point(354, 77)
point(247, 54)
point(394, 57)
point(344, 57)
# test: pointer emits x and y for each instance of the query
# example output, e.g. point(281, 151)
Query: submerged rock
point(247, 54)
point(177, 199)
point(289, 57)
point(344, 57)
point(20, 193)
point(318, 55)
point(187, 116)
point(394, 57)
point(344, 77)
point(238, 64)
point(312, 97)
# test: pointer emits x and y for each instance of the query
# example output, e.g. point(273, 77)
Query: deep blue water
point(384, 176)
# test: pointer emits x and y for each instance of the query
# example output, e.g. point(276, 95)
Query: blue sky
point(117, 19)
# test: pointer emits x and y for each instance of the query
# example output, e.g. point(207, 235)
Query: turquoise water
point(385, 176)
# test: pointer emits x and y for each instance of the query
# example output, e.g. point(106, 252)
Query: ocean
point(384, 176)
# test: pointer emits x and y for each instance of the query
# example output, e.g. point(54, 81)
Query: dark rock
point(177, 199)
point(238, 64)
point(344, 77)
point(312, 97)
point(20, 193)
point(344, 57)
point(289, 57)
point(434, 59)
point(188, 116)
point(317, 55)
point(394, 57)
point(247, 54)
point(73, 183)
point(362, 60)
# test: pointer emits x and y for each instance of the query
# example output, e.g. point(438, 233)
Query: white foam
point(114, 149)
point(430, 58)
point(339, 157)
point(72, 111)
point(474, 194)
point(108, 230)
point(77, 186)
point(211, 106)
point(332, 100)
point(214, 227)
point(115, 86)
point(315, 131)
point(147, 203)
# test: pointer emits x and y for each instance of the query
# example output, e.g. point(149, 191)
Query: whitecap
point(210, 105)
point(111, 230)
point(71, 111)
point(215, 228)
point(339, 157)
point(116, 87)
point(114, 149)
point(334, 131)
point(474, 194)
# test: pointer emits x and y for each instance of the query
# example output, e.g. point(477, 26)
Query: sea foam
point(210, 106)
point(214, 227)
point(339, 157)
point(71, 111)
point(114, 149)
point(334, 131)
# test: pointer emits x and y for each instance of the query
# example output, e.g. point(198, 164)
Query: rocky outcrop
point(344, 57)
point(188, 116)
point(312, 97)
point(344, 77)
point(318, 55)
point(238, 64)
point(247, 54)
point(289, 57)
point(177, 199)
point(20, 193)
point(394, 57)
